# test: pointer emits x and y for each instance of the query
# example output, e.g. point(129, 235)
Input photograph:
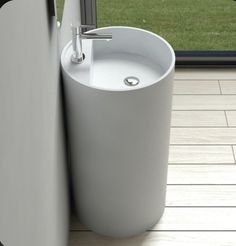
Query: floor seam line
point(226, 118)
point(207, 144)
point(200, 127)
point(201, 164)
point(232, 147)
point(206, 110)
point(220, 87)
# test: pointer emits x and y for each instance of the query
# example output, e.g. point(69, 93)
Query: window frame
point(88, 11)
point(183, 58)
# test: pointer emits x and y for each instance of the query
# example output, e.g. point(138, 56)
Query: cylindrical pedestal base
point(119, 153)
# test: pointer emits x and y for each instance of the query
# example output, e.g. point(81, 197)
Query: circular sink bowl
point(131, 53)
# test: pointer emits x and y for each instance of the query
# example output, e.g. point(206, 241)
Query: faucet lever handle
point(77, 29)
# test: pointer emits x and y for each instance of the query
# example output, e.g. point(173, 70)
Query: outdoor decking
point(201, 192)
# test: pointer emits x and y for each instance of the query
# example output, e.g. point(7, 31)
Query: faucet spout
point(78, 35)
point(96, 36)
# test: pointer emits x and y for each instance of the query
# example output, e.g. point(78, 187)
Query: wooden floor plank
point(198, 118)
point(75, 225)
point(201, 195)
point(157, 239)
point(203, 136)
point(204, 102)
point(200, 154)
point(196, 87)
point(231, 117)
point(228, 87)
point(202, 174)
point(207, 219)
point(203, 74)
point(189, 219)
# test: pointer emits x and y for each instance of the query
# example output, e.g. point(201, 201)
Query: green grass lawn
point(60, 4)
point(186, 24)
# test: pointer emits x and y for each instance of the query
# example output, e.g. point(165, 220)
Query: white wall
point(33, 193)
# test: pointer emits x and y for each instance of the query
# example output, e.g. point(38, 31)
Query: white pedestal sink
point(119, 134)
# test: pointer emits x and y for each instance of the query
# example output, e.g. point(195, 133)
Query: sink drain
point(131, 81)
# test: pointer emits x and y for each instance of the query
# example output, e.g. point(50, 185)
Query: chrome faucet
point(78, 35)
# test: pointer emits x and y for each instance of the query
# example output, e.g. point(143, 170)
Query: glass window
point(187, 24)
point(60, 6)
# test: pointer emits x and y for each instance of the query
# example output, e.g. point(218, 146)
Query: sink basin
point(118, 108)
point(131, 52)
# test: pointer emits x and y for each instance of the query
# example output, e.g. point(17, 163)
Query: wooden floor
point(201, 192)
